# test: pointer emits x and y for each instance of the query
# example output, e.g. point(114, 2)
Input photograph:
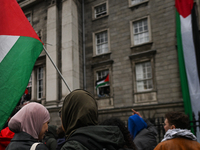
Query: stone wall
point(166, 72)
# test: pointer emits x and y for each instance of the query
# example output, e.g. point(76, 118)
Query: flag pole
point(56, 68)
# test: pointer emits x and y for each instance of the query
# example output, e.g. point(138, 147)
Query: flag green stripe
point(15, 71)
point(104, 83)
point(183, 76)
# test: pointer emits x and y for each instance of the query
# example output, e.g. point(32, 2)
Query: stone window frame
point(29, 86)
point(132, 34)
point(39, 98)
point(94, 41)
point(136, 81)
point(41, 62)
point(107, 85)
point(93, 10)
point(98, 69)
point(151, 60)
point(139, 58)
point(31, 16)
point(107, 99)
point(148, 55)
point(133, 5)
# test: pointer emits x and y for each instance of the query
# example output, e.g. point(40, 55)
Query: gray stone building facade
point(132, 42)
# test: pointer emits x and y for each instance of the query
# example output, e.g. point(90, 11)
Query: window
point(40, 82)
point(29, 17)
point(100, 10)
point(141, 34)
point(101, 42)
point(140, 31)
point(28, 90)
point(136, 2)
point(144, 76)
point(102, 83)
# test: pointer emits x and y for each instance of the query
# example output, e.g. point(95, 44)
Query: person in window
point(79, 117)
point(29, 124)
point(143, 132)
point(104, 91)
point(177, 135)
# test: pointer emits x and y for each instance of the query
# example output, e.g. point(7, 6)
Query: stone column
point(51, 73)
point(70, 46)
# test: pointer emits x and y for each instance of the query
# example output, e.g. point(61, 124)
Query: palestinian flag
point(189, 55)
point(102, 81)
point(19, 49)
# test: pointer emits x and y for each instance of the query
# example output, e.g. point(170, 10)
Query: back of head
point(117, 122)
point(179, 119)
point(79, 109)
point(60, 132)
point(29, 119)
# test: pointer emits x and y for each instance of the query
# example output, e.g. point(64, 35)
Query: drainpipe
point(83, 36)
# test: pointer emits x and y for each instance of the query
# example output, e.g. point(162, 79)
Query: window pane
point(39, 82)
point(139, 72)
point(104, 89)
point(102, 42)
point(141, 33)
point(134, 2)
point(28, 16)
point(100, 10)
point(143, 76)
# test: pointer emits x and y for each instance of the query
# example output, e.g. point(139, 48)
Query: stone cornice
point(141, 107)
point(27, 3)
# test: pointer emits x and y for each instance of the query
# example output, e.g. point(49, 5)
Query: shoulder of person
point(41, 146)
point(73, 145)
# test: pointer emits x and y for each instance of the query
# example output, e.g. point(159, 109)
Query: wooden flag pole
point(56, 68)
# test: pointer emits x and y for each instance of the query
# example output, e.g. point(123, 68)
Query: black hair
point(179, 119)
point(127, 136)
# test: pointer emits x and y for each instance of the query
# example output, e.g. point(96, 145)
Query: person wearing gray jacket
point(143, 132)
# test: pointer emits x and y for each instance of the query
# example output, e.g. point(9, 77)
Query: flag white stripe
point(6, 44)
point(100, 82)
point(190, 64)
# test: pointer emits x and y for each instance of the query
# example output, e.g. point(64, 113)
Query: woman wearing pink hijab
point(29, 125)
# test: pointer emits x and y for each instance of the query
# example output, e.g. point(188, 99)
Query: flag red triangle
point(13, 21)
point(184, 7)
point(107, 78)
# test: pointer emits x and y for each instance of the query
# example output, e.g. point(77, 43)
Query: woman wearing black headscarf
point(79, 117)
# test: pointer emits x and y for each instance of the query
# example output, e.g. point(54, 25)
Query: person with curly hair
point(177, 135)
point(127, 137)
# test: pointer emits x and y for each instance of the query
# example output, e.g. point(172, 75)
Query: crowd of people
point(28, 129)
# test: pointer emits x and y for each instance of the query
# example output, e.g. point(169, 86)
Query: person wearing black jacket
point(29, 125)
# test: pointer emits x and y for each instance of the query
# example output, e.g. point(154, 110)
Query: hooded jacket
point(178, 139)
point(79, 115)
point(105, 135)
